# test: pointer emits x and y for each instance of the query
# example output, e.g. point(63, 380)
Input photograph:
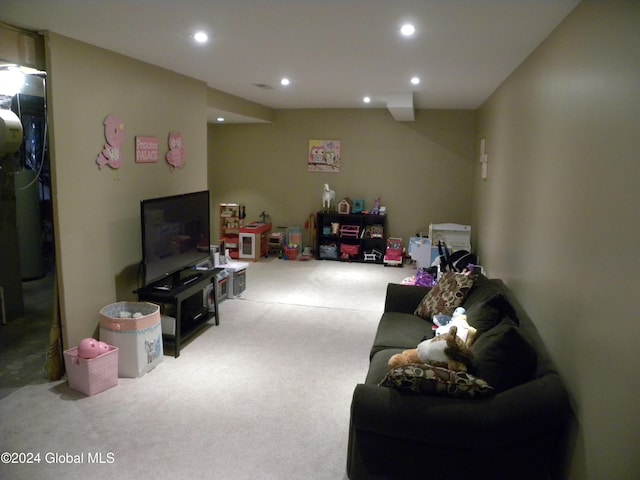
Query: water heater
point(10, 132)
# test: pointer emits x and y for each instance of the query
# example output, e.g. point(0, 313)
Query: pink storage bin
point(91, 375)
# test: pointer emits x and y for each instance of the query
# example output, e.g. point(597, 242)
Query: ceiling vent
point(400, 104)
point(263, 86)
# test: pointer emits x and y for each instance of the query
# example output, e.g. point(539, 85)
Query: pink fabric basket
point(93, 375)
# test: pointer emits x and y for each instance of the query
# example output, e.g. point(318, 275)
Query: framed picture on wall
point(146, 149)
point(324, 156)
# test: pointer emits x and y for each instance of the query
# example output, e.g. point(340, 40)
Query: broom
point(54, 364)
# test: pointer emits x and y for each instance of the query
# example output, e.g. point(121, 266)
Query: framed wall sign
point(146, 149)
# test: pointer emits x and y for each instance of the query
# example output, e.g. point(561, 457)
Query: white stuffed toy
point(459, 320)
point(447, 350)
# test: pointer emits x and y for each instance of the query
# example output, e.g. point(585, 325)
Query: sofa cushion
point(448, 294)
point(503, 357)
point(487, 314)
point(379, 365)
point(427, 379)
point(400, 330)
point(486, 305)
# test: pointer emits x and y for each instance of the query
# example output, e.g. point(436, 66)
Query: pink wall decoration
point(115, 136)
point(146, 149)
point(175, 155)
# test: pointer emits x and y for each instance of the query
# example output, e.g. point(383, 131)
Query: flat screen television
point(175, 234)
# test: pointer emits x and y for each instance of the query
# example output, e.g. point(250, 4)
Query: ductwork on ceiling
point(400, 104)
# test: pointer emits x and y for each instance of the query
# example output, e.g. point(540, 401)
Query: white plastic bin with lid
point(136, 329)
point(237, 278)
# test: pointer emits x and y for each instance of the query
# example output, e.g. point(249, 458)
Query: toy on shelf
point(345, 206)
point(372, 256)
point(349, 231)
point(393, 253)
point(373, 231)
point(328, 198)
point(376, 206)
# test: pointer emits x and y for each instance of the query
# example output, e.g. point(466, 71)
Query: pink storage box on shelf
point(91, 375)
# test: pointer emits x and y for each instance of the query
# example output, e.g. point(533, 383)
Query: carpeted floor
point(264, 395)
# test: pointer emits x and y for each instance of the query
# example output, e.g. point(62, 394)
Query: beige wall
point(97, 218)
point(422, 170)
point(558, 218)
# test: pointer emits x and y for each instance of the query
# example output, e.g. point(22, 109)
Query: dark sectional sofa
point(516, 432)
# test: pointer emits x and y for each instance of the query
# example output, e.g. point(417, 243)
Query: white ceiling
point(334, 51)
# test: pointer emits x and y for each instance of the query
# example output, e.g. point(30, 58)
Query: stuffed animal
point(446, 350)
point(465, 331)
point(441, 319)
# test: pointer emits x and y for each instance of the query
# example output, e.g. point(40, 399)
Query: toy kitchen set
point(252, 243)
point(239, 243)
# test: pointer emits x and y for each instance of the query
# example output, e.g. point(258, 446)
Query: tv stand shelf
point(183, 294)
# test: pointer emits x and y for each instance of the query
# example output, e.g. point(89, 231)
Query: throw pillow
point(427, 379)
point(446, 296)
point(488, 292)
point(503, 357)
point(487, 314)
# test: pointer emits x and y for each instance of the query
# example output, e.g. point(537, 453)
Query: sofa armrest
point(526, 411)
point(404, 298)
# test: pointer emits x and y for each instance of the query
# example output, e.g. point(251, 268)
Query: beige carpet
point(264, 395)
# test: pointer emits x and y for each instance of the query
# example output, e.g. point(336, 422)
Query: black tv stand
point(189, 279)
point(182, 293)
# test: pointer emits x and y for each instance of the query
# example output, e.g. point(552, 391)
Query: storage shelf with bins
point(231, 221)
point(357, 237)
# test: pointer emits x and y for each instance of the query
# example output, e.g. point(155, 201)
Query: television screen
point(175, 233)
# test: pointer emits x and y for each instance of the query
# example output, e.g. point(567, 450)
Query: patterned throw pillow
point(446, 296)
point(427, 379)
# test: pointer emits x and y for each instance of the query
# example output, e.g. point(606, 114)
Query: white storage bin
point(139, 338)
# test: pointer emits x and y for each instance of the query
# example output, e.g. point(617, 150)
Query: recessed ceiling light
point(407, 30)
point(220, 119)
point(200, 37)
point(415, 80)
point(285, 82)
point(366, 99)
